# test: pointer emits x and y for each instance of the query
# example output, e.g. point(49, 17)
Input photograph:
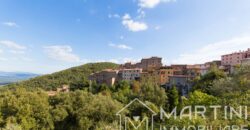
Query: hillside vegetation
point(69, 76)
point(94, 107)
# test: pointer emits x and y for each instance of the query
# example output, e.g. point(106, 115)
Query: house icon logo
point(130, 119)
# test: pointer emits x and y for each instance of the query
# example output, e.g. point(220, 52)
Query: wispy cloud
point(120, 46)
point(141, 13)
point(214, 51)
point(10, 24)
point(27, 59)
point(114, 16)
point(117, 60)
point(12, 45)
point(152, 3)
point(132, 25)
point(3, 59)
point(61, 53)
point(135, 26)
point(17, 52)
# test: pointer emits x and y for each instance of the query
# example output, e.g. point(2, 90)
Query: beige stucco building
point(129, 74)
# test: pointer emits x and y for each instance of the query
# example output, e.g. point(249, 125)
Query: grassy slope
point(75, 74)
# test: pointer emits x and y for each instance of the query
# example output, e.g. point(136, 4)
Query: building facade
point(129, 74)
point(164, 74)
point(194, 70)
point(160, 76)
point(151, 63)
point(107, 76)
point(247, 53)
point(179, 69)
point(146, 64)
point(235, 58)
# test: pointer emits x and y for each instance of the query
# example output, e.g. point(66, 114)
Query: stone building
point(146, 64)
point(107, 76)
point(151, 63)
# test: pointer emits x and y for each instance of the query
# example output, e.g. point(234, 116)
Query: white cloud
point(61, 53)
point(117, 60)
point(114, 61)
point(12, 45)
point(3, 59)
point(114, 16)
point(126, 16)
point(16, 52)
point(120, 46)
point(214, 51)
point(27, 59)
point(152, 3)
point(10, 24)
point(141, 13)
point(132, 25)
point(125, 60)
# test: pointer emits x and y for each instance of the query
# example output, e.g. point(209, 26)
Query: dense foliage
point(89, 106)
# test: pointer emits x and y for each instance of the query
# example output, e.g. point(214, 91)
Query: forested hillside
point(94, 108)
point(69, 76)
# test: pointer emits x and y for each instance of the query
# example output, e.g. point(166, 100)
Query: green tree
point(239, 81)
point(200, 98)
point(173, 97)
point(152, 92)
point(83, 110)
point(205, 83)
point(29, 110)
point(136, 87)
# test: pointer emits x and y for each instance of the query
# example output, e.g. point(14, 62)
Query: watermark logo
point(136, 121)
point(137, 115)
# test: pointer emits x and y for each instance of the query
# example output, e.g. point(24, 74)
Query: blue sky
point(46, 36)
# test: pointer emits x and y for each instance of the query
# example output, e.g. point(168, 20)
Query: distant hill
point(72, 75)
point(11, 77)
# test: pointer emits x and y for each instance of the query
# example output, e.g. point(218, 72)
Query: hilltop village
point(179, 75)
